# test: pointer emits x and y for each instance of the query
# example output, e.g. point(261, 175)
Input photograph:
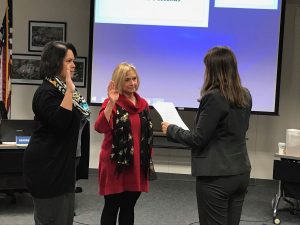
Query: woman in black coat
point(61, 114)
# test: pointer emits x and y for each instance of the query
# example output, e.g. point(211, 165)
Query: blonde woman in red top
point(126, 149)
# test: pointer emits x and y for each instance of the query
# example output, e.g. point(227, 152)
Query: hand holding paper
point(169, 114)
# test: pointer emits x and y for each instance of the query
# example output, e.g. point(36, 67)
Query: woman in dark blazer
point(220, 160)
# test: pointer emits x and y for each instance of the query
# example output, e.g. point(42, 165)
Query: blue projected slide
point(167, 39)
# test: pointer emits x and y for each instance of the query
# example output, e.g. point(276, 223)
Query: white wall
point(264, 132)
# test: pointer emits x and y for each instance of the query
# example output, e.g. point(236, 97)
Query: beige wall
point(76, 15)
point(264, 132)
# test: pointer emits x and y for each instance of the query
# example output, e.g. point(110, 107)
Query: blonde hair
point(119, 75)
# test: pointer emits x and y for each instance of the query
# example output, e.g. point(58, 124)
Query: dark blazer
point(218, 140)
point(49, 159)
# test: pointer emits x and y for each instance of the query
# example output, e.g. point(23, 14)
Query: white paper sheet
point(169, 114)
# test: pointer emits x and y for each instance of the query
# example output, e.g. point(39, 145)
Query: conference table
point(11, 170)
point(286, 170)
point(11, 164)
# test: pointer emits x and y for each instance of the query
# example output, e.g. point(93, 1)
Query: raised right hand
point(69, 83)
point(112, 92)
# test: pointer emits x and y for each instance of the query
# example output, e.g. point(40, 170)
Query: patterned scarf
point(122, 146)
point(78, 101)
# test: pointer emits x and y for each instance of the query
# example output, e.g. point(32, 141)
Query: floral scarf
point(78, 101)
point(122, 147)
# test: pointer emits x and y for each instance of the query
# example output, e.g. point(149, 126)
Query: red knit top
point(132, 178)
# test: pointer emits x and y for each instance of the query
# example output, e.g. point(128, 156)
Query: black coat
point(218, 140)
point(49, 160)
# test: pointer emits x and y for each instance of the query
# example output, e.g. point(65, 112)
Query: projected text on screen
point(189, 13)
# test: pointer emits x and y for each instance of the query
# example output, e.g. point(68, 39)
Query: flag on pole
point(6, 58)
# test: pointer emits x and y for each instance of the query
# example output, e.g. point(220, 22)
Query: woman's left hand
point(164, 127)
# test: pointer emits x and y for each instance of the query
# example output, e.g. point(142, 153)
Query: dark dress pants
point(220, 199)
point(54, 211)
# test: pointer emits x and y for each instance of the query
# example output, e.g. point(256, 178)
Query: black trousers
point(122, 203)
point(220, 199)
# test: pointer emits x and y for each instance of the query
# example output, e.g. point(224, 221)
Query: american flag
point(6, 57)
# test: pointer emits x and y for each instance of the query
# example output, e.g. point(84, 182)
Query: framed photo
point(25, 69)
point(41, 32)
point(79, 77)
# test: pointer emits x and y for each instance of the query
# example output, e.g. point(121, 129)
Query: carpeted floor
point(171, 201)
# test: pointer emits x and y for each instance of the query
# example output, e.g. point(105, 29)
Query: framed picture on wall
point(41, 32)
point(79, 77)
point(25, 69)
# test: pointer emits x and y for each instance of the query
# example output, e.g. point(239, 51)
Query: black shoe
point(78, 189)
